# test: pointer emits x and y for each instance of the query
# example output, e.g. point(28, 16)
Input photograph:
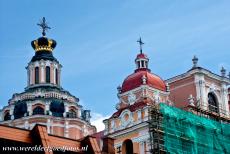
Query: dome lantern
point(141, 59)
point(142, 75)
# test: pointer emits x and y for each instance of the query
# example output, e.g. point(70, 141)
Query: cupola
point(142, 75)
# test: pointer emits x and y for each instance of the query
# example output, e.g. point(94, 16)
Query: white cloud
point(97, 120)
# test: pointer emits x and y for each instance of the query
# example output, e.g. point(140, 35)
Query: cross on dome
point(140, 44)
point(44, 26)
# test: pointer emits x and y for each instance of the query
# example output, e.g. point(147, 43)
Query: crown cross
point(44, 26)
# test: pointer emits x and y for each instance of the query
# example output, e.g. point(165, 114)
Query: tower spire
point(140, 44)
point(44, 26)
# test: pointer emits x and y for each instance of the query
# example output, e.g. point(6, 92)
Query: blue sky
point(96, 42)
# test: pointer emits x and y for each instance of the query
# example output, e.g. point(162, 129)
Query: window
point(146, 64)
point(47, 74)
point(127, 147)
point(57, 108)
point(142, 64)
point(212, 103)
point(72, 114)
point(56, 76)
point(7, 116)
point(138, 64)
point(38, 110)
point(20, 110)
point(36, 75)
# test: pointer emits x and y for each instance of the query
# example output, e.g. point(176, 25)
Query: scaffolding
point(173, 130)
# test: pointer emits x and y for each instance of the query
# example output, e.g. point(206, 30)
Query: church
point(197, 89)
point(44, 101)
point(140, 124)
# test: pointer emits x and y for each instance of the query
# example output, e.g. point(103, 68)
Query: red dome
point(135, 80)
point(142, 56)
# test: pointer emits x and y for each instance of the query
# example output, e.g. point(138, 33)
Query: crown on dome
point(43, 43)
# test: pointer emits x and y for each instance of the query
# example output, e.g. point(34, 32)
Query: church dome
point(142, 75)
point(136, 79)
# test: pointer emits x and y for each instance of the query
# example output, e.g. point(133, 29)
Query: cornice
point(199, 71)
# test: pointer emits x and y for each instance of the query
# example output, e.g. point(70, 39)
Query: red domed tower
point(142, 84)
point(137, 91)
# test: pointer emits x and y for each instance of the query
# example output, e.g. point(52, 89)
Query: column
point(42, 73)
point(48, 126)
point(59, 76)
point(54, 74)
point(223, 104)
point(146, 114)
point(47, 108)
point(106, 127)
point(28, 76)
point(142, 147)
point(200, 91)
point(139, 116)
point(12, 112)
point(29, 108)
point(66, 129)
point(1, 116)
point(112, 123)
point(26, 125)
point(31, 74)
point(66, 109)
point(78, 113)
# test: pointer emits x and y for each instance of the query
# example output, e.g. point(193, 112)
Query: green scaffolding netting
point(188, 133)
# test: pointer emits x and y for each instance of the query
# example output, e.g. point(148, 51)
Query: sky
point(96, 43)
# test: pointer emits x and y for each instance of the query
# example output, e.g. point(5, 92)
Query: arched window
point(142, 64)
point(7, 116)
point(57, 108)
point(56, 76)
point(36, 75)
point(127, 147)
point(139, 64)
point(38, 110)
point(212, 103)
point(20, 110)
point(72, 114)
point(47, 74)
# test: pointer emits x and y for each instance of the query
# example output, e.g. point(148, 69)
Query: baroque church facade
point(129, 126)
point(44, 101)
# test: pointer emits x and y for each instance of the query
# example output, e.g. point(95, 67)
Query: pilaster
point(200, 91)
point(47, 108)
point(12, 112)
point(66, 109)
point(66, 129)
point(29, 108)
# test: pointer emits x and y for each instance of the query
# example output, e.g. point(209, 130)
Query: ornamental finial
point(223, 71)
point(195, 61)
point(140, 44)
point(44, 26)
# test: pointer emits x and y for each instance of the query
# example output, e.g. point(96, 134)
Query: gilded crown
point(43, 44)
